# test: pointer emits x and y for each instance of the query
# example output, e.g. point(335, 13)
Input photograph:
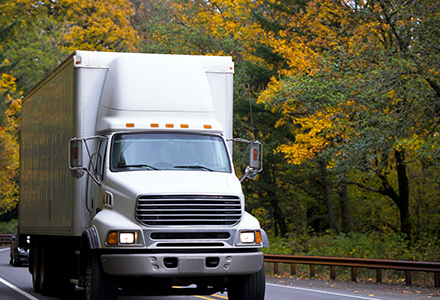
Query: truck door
point(97, 168)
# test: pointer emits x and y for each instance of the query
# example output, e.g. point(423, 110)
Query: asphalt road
point(16, 284)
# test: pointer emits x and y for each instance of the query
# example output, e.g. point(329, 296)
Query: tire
point(54, 280)
point(35, 268)
point(247, 287)
point(15, 263)
point(98, 285)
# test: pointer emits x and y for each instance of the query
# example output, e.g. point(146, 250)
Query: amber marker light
point(207, 126)
point(169, 125)
point(184, 126)
point(129, 125)
point(154, 125)
point(112, 238)
point(258, 237)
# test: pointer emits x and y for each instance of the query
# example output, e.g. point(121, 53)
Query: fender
point(89, 241)
point(264, 239)
point(91, 235)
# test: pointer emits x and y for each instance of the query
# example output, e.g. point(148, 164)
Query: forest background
point(345, 97)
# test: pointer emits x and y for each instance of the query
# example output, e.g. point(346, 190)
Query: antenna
point(254, 150)
point(252, 115)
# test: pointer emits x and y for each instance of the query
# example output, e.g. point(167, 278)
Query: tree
point(10, 149)
point(47, 31)
point(359, 73)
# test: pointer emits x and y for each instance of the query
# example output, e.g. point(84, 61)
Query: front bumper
point(183, 264)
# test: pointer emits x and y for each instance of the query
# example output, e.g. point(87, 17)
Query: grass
point(9, 227)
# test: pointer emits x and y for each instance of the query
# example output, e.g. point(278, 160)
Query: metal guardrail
point(355, 263)
point(5, 239)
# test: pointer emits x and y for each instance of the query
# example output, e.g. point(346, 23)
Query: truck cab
point(169, 209)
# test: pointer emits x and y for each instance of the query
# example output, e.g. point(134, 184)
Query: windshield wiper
point(138, 166)
point(194, 167)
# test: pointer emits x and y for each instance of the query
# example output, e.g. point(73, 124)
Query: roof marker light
point(169, 125)
point(207, 126)
point(154, 125)
point(129, 125)
point(184, 126)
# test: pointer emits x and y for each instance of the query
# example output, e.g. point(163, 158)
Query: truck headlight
point(115, 238)
point(250, 237)
point(126, 237)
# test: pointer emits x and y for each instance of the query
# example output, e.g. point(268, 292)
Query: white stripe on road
point(29, 296)
point(322, 292)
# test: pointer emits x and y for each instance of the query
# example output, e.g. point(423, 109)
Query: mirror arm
point(77, 169)
point(81, 170)
point(255, 160)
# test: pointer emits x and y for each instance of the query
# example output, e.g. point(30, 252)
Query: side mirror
point(75, 153)
point(254, 155)
point(255, 158)
point(255, 161)
point(75, 157)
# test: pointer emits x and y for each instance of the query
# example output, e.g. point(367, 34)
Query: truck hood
point(135, 183)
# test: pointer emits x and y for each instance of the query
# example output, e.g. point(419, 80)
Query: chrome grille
point(188, 210)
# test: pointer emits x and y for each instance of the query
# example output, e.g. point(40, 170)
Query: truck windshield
point(168, 151)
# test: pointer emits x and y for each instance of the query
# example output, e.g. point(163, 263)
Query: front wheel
point(98, 285)
point(247, 287)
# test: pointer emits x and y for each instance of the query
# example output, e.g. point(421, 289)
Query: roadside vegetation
point(9, 227)
point(373, 245)
point(345, 98)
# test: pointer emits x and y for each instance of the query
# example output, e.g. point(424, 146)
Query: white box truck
point(127, 182)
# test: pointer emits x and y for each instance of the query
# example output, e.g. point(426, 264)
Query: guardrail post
point(353, 273)
point(292, 269)
point(378, 275)
point(437, 279)
point(312, 270)
point(275, 268)
point(408, 277)
point(332, 272)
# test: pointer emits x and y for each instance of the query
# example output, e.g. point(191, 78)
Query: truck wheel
point(247, 287)
point(34, 265)
point(15, 263)
point(53, 278)
point(98, 285)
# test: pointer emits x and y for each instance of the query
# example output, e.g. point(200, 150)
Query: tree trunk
point(345, 213)
point(403, 203)
point(400, 198)
point(328, 196)
point(278, 216)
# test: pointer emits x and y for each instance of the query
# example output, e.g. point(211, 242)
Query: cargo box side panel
point(46, 185)
point(221, 85)
point(89, 82)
